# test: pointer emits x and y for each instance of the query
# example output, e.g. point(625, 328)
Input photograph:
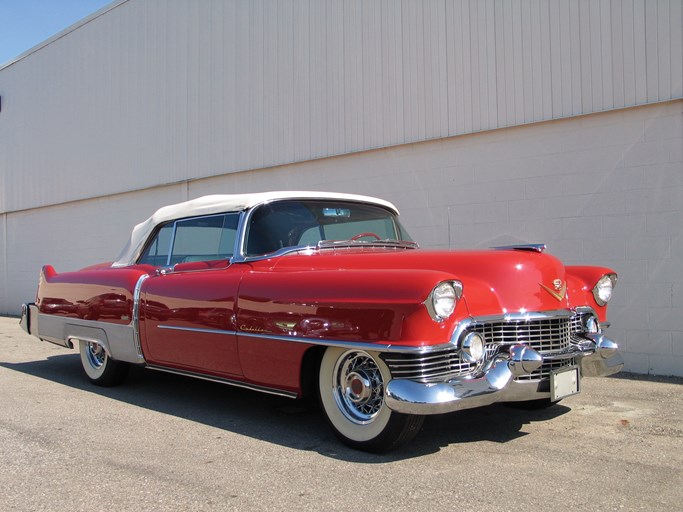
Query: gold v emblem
point(561, 289)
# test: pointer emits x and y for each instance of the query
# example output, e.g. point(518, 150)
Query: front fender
point(383, 306)
point(580, 283)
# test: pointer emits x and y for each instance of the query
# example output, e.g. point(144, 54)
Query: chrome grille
point(543, 335)
point(546, 335)
point(429, 367)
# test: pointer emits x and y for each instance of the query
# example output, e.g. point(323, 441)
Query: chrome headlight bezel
point(473, 348)
point(603, 289)
point(443, 299)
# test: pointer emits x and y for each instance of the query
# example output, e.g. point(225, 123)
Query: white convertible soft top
point(222, 203)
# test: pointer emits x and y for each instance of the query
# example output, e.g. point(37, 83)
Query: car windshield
point(283, 224)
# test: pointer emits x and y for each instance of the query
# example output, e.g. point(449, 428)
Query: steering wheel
point(363, 235)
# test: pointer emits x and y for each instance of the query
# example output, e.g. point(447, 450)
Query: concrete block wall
point(604, 189)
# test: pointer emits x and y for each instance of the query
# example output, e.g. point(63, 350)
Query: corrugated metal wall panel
point(639, 51)
point(155, 92)
point(392, 71)
point(676, 35)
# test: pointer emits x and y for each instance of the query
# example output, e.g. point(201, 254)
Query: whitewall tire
point(351, 387)
point(99, 367)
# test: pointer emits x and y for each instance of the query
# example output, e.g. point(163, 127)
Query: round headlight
point(443, 300)
point(603, 289)
point(473, 348)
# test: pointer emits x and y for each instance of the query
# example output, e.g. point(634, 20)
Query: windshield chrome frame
point(240, 255)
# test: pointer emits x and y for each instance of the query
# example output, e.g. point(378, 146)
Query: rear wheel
point(99, 367)
point(351, 388)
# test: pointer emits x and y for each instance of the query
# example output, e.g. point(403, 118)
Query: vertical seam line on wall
point(342, 83)
point(447, 59)
point(4, 260)
point(470, 59)
point(521, 15)
point(668, 18)
point(512, 50)
point(310, 78)
point(550, 69)
point(611, 47)
point(589, 64)
point(602, 67)
point(403, 78)
point(623, 58)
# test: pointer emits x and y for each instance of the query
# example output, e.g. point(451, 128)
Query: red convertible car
point(308, 293)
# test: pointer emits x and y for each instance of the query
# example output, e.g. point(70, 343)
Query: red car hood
point(494, 281)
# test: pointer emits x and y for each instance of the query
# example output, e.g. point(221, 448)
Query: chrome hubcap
point(96, 355)
point(358, 387)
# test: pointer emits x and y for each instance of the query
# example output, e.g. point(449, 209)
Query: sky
point(25, 23)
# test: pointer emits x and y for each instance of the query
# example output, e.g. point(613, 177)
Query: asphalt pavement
point(164, 442)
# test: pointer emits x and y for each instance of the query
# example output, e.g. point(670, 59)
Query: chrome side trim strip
point(197, 329)
point(388, 347)
point(136, 316)
point(377, 347)
point(221, 380)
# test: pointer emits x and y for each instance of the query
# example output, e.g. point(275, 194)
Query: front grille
point(545, 335)
point(542, 335)
point(429, 367)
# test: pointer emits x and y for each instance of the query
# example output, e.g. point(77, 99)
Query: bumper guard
point(597, 356)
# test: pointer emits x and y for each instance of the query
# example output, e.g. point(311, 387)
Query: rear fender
point(94, 305)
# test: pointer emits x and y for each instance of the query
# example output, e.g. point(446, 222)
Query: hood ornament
point(560, 289)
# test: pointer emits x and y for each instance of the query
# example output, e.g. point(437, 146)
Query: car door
point(188, 307)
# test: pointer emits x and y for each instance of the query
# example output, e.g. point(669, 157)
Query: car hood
point(494, 281)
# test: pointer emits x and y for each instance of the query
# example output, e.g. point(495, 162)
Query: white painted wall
point(604, 189)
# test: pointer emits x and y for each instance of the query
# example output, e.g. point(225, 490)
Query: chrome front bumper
point(596, 357)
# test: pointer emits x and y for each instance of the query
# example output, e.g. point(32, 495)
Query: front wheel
point(351, 388)
point(99, 367)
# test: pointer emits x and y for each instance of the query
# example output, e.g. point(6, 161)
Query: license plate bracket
point(564, 383)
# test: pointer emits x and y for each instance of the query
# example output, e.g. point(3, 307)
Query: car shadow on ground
point(279, 420)
point(668, 379)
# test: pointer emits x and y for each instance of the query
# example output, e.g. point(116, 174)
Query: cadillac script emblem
point(560, 289)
